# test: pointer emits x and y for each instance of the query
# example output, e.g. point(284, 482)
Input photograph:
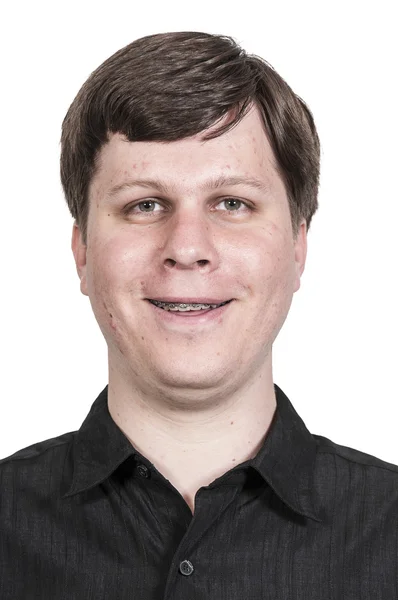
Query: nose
point(189, 241)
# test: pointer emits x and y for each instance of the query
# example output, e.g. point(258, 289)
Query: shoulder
point(338, 454)
point(39, 456)
point(356, 486)
point(32, 480)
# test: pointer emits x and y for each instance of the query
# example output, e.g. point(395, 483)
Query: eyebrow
point(210, 184)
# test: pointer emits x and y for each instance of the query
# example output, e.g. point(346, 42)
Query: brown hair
point(169, 86)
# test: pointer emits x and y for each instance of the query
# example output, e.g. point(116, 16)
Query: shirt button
point(143, 471)
point(186, 567)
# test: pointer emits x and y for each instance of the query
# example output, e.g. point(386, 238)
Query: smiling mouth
point(186, 307)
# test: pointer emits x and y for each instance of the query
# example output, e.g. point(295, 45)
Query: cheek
point(110, 263)
point(109, 267)
point(269, 259)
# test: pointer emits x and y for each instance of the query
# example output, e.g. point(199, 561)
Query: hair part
point(169, 86)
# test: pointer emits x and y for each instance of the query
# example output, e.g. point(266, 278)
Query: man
point(191, 170)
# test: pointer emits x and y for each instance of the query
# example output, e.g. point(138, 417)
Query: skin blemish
point(232, 422)
point(112, 323)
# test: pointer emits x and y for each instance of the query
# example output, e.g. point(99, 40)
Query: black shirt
point(86, 516)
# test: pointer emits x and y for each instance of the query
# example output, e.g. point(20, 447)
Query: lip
point(199, 317)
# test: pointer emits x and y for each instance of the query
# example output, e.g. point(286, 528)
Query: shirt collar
point(286, 461)
point(97, 449)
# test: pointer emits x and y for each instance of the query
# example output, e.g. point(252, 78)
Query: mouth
point(196, 307)
point(188, 313)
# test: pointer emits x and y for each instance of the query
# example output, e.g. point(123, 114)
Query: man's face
point(185, 237)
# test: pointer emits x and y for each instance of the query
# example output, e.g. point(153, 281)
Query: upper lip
point(190, 300)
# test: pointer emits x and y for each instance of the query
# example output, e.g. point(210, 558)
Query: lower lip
point(190, 317)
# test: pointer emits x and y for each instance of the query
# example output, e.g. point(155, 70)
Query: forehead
point(244, 150)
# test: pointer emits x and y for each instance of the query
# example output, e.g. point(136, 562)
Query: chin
point(196, 377)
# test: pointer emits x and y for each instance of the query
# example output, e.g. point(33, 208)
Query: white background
point(336, 355)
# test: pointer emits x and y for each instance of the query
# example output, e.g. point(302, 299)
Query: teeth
point(183, 307)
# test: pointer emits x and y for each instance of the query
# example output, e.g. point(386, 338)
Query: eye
point(234, 204)
point(146, 204)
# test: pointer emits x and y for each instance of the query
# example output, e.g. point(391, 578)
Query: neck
point(192, 443)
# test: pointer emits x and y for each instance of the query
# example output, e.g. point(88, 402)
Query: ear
point(79, 252)
point(300, 253)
